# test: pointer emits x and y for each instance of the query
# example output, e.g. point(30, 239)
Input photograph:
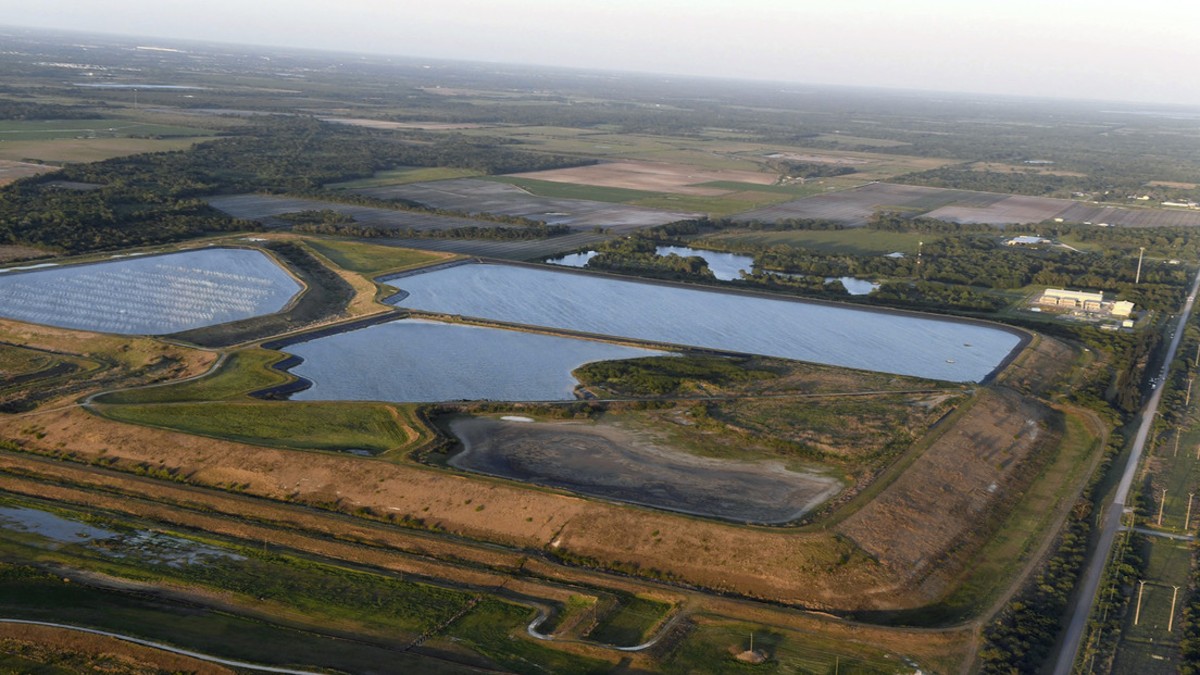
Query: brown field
point(11, 171)
point(13, 252)
point(652, 176)
point(384, 124)
point(1014, 209)
point(946, 495)
point(96, 653)
point(854, 206)
point(64, 151)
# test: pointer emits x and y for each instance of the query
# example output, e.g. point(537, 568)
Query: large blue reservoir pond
point(881, 341)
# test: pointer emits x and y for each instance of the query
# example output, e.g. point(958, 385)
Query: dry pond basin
point(602, 460)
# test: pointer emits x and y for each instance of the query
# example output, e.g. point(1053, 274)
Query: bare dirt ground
point(11, 171)
point(614, 463)
point(947, 495)
point(653, 176)
point(43, 644)
point(13, 252)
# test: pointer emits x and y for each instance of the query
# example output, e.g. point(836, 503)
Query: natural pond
point(150, 295)
point(854, 285)
point(881, 341)
point(724, 266)
point(606, 461)
point(424, 361)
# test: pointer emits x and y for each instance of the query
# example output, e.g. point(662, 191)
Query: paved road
point(1112, 517)
point(168, 648)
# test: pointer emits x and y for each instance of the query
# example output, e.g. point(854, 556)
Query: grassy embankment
point(1003, 556)
point(218, 405)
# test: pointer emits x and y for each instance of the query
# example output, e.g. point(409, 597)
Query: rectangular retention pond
point(876, 340)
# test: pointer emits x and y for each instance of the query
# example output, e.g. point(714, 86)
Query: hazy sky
point(1099, 49)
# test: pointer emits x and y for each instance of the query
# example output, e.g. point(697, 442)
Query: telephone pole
point(1162, 504)
point(1138, 279)
point(1137, 613)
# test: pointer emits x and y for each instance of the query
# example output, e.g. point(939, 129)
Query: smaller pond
point(854, 285)
point(574, 259)
point(416, 361)
point(724, 266)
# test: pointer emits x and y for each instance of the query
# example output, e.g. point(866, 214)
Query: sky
point(1099, 49)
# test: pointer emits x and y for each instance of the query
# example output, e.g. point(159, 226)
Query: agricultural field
point(653, 177)
point(265, 207)
point(854, 207)
point(11, 171)
point(584, 208)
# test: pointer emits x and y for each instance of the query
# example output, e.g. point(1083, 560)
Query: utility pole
point(1176, 453)
point(1161, 504)
point(1138, 279)
point(1188, 399)
point(1171, 619)
point(1137, 613)
point(1187, 521)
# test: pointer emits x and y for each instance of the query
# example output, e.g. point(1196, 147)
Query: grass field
point(631, 622)
point(302, 425)
point(854, 240)
point(722, 205)
point(240, 373)
point(403, 176)
point(711, 647)
point(373, 259)
point(68, 150)
point(43, 130)
point(545, 188)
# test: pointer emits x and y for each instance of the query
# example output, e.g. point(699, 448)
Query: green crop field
point(103, 128)
point(372, 259)
point(303, 425)
point(545, 188)
point(631, 622)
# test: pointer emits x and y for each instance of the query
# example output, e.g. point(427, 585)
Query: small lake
point(854, 285)
point(881, 341)
point(150, 295)
point(724, 266)
point(412, 360)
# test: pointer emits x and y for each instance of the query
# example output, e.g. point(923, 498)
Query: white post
point(1161, 504)
point(1137, 613)
point(1187, 521)
point(1187, 401)
point(1171, 619)
point(1138, 279)
point(1176, 453)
